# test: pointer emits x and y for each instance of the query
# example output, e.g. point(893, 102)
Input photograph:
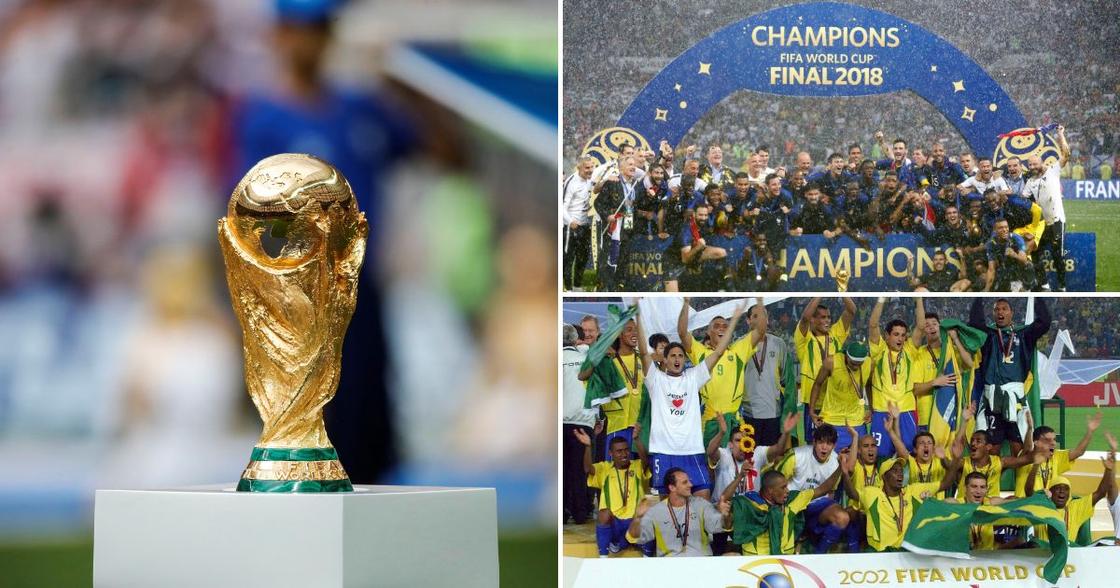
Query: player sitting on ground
point(768, 522)
point(621, 483)
point(809, 466)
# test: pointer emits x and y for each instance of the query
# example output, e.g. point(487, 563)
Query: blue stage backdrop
point(826, 49)
point(812, 260)
point(1091, 189)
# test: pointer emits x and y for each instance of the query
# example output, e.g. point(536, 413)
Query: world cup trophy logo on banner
point(607, 143)
point(293, 307)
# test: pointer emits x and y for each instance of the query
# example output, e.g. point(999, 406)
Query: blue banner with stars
point(824, 49)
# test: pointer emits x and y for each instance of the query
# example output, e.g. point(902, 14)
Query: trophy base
point(298, 469)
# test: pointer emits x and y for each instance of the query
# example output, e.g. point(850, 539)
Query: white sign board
point(1086, 567)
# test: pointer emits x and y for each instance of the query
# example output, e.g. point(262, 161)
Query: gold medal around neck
point(293, 307)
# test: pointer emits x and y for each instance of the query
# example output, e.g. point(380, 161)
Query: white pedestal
point(375, 536)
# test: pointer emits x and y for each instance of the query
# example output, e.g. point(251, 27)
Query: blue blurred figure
point(363, 136)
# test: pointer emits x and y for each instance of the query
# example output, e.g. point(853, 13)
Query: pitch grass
point(1075, 425)
point(1102, 218)
point(525, 559)
point(1084, 216)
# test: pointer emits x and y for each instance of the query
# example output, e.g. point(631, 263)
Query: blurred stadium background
point(121, 128)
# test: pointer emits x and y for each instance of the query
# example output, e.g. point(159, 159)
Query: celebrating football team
point(716, 228)
point(686, 443)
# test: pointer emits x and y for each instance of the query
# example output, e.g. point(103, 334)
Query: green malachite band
point(294, 486)
point(300, 454)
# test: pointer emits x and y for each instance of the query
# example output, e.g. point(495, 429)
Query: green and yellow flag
point(949, 401)
point(605, 383)
point(942, 528)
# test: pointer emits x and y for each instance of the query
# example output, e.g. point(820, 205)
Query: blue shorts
point(807, 424)
point(843, 438)
point(628, 434)
point(694, 465)
point(619, 527)
point(813, 513)
point(907, 429)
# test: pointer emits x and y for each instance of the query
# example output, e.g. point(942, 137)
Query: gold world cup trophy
point(293, 308)
point(842, 276)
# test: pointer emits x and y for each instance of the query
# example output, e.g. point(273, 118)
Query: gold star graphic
point(661, 114)
point(933, 68)
point(677, 87)
point(958, 86)
point(684, 104)
point(705, 68)
point(968, 114)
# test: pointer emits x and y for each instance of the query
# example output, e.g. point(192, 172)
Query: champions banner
point(989, 569)
point(1091, 189)
point(811, 262)
point(827, 49)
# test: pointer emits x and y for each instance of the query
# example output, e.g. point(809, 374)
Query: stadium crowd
point(927, 408)
point(718, 229)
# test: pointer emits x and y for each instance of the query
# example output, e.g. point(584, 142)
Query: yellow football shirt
point(842, 400)
point(934, 471)
point(887, 517)
point(724, 391)
point(893, 375)
point(926, 370)
point(982, 537)
point(992, 471)
point(1078, 511)
point(621, 489)
point(761, 544)
point(810, 348)
point(1057, 465)
point(865, 476)
point(622, 412)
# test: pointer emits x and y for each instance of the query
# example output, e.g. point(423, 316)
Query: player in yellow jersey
point(980, 458)
point(723, 394)
point(927, 462)
point(976, 491)
point(893, 371)
point(932, 359)
point(622, 413)
point(843, 385)
point(757, 515)
point(622, 484)
point(888, 511)
point(1076, 511)
point(1057, 460)
point(815, 337)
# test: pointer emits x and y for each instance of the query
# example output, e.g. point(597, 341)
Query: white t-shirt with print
point(675, 410)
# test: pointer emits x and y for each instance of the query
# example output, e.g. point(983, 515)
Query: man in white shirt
point(577, 224)
point(691, 169)
point(807, 467)
point(577, 505)
point(983, 180)
point(676, 437)
point(1045, 188)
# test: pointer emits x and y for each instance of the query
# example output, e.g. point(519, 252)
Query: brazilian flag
point(949, 401)
point(789, 387)
point(605, 383)
point(751, 516)
point(942, 528)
